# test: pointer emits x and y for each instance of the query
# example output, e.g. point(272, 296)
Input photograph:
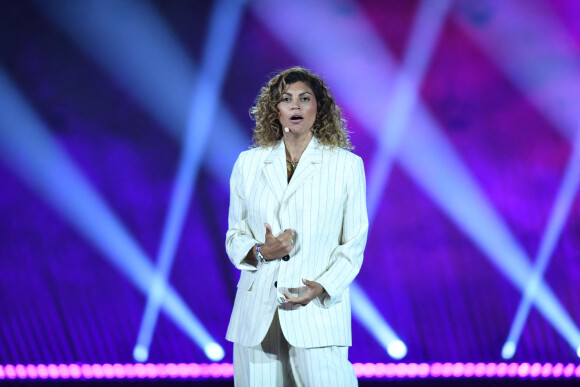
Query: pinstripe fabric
point(266, 364)
point(276, 363)
point(325, 203)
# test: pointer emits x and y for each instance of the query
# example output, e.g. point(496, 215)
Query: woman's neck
point(295, 145)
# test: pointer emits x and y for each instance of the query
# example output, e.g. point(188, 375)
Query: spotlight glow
point(214, 351)
point(38, 159)
point(224, 25)
point(427, 26)
point(140, 353)
point(425, 153)
point(508, 350)
point(368, 315)
point(560, 210)
point(397, 349)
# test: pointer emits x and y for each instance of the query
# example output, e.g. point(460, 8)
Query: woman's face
point(297, 109)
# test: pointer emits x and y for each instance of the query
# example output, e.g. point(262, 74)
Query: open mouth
point(296, 118)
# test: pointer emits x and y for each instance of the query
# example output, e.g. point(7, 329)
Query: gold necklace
point(291, 165)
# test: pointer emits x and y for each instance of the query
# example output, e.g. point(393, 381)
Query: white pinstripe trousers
point(275, 362)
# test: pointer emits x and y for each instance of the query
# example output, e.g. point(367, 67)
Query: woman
point(297, 231)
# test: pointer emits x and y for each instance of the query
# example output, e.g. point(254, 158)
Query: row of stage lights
point(226, 371)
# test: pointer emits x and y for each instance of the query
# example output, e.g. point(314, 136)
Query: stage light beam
point(146, 58)
point(369, 317)
point(426, 29)
point(39, 161)
point(427, 154)
point(223, 28)
point(561, 209)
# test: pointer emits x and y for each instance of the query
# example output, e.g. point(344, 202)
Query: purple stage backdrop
point(121, 120)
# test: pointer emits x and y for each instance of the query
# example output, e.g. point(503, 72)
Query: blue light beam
point(429, 157)
point(528, 42)
point(145, 57)
point(38, 160)
point(426, 29)
point(560, 211)
point(224, 25)
point(341, 28)
point(375, 324)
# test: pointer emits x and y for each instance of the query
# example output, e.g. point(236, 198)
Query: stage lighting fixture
point(508, 350)
point(141, 353)
point(214, 351)
point(397, 349)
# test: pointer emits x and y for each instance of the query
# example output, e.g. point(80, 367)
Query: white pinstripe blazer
point(325, 202)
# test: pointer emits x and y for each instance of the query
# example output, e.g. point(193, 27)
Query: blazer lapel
point(308, 166)
point(275, 170)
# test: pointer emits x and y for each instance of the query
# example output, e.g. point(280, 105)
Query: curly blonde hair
point(329, 127)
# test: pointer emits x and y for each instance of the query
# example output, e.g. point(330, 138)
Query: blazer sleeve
point(347, 258)
point(239, 237)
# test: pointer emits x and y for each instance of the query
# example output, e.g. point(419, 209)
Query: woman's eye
point(306, 99)
point(285, 99)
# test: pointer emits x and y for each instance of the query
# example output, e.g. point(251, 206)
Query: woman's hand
point(277, 247)
point(313, 290)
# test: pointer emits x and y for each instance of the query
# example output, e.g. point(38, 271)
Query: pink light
point(63, 371)
point(183, 371)
point(75, 371)
point(479, 370)
point(535, 370)
point(171, 370)
point(391, 370)
point(513, 369)
point(108, 371)
point(400, 370)
point(423, 370)
point(458, 370)
point(557, 370)
point(53, 371)
point(42, 371)
point(436, 370)
point(119, 370)
point(10, 372)
point(151, 371)
point(98, 371)
point(226, 370)
point(139, 370)
point(380, 369)
point(491, 370)
point(161, 371)
point(130, 371)
point(20, 371)
point(87, 371)
point(546, 370)
point(469, 370)
point(447, 370)
point(501, 370)
point(412, 370)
